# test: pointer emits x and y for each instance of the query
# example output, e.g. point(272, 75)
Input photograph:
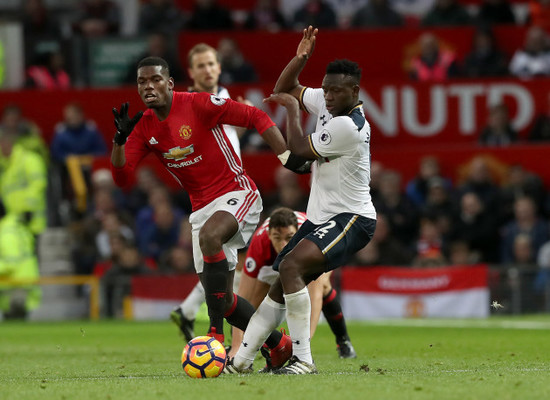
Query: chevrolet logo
point(177, 153)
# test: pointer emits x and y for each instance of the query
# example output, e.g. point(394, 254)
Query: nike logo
point(202, 353)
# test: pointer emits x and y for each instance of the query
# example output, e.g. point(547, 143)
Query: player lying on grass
point(341, 216)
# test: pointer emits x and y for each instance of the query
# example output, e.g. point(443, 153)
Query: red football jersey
point(192, 145)
point(260, 252)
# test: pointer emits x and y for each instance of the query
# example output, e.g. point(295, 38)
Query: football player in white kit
point(341, 216)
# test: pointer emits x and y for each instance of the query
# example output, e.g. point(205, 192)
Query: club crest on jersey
point(217, 100)
point(250, 264)
point(325, 137)
point(178, 153)
point(185, 132)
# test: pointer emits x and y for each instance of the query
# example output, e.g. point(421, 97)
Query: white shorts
point(245, 206)
point(268, 275)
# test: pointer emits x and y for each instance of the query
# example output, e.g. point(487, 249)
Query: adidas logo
point(153, 141)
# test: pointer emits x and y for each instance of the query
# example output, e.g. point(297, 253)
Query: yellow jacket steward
point(18, 262)
point(23, 183)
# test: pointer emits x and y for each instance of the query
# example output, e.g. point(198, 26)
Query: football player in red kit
point(185, 132)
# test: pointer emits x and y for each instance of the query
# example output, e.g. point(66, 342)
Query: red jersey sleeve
point(226, 111)
point(134, 150)
point(259, 253)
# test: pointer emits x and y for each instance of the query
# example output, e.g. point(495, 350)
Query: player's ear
point(171, 83)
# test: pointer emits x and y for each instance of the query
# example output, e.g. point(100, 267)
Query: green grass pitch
point(498, 358)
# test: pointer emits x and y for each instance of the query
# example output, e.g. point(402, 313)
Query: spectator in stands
point(97, 18)
point(495, 12)
point(38, 21)
point(111, 226)
point(539, 14)
point(28, 134)
point(485, 58)
point(519, 183)
point(138, 196)
point(235, 69)
point(161, 16)
point(117, 281)
point(480, 179)
point(526, 221)
point(48, 72)
point(439, 204)
point(157, 195)
point(177, 260)
point(376, 14)
point(446, 13)
point(540, 132)
point(209, 15)
point(498, 132)
point(417, 188)
point(434, 63)
point(160, 236)
point(383, 249)
point(288, 192)
point(477, 226)
point(76, 135)
point(401, 213)
point(265, 15)
point(85, 230)
point(461, 254)
point(376, 172)
point(533, 59)
point(158, 45)
point(429, 245)
point(317, 13)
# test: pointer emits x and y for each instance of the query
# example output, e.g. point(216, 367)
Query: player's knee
point(209, 241)
point(289, 268)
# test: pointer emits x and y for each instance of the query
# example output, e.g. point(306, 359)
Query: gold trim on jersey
point(357, 106)
point(340, 236)
point(313, 148)
point(301, 100)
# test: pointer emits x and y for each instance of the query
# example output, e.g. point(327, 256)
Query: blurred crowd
point(487, 212)
point(49, 27)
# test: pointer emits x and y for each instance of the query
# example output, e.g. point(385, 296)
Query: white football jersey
point(341, 174)
point(230, 131)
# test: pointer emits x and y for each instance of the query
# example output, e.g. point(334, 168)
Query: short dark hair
point(283, 217)
point(153, 62)
point(346, 67)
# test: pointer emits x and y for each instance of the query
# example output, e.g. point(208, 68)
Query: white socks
point(190, 306)
point(267, 317)
point(298, 314)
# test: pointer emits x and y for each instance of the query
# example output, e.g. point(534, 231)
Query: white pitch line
point(460, 323)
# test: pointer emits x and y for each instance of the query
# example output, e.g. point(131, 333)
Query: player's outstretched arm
point(288, 80)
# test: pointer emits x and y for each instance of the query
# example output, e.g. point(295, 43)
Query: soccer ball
point(203, 357)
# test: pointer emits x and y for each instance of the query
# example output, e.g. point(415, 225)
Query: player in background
point(258, 276)
point(341, 216)
point(204, 68)
point(185, 132)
